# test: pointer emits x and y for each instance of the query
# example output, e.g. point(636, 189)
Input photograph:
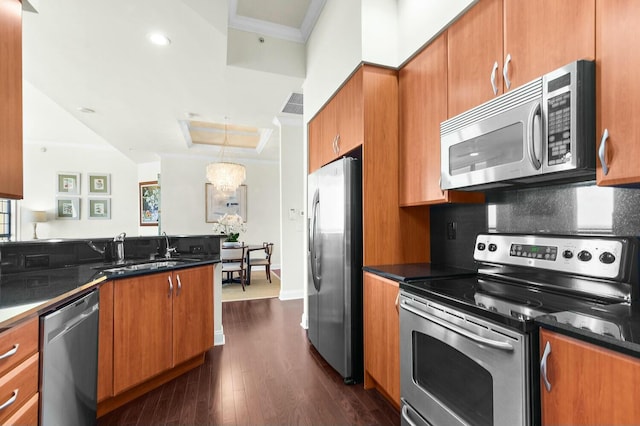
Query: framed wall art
point(99, 208)
point(68, 208)
point(68, 183)
point(99, 183)
point(149, 203)
point(218, 203)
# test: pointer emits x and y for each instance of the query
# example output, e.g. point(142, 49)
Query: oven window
point(456, 380)
point(502, 146)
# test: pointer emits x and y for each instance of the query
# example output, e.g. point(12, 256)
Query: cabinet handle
point(10, 352)
point(338, 143)
point(543, 366)
point(602, 151)
point(10, 401)
point(505, 71)
point(493, 78)
point(170, 285)
point(333, 144)
point(397, 300)
point(179, 285)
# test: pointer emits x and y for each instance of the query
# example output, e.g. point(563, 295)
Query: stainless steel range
point(469, 345)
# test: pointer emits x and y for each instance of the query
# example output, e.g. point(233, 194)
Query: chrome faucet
point(168, 250)
point(118, 242)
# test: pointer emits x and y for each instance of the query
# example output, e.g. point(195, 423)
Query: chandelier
point(226, 176)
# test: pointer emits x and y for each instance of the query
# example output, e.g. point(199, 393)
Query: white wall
point(334, 49)
point(183, 200)
point(292, 206)
point(420, 20)
point(380, 32)
point(43, 160)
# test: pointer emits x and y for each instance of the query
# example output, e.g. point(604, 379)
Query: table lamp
point(37, 216)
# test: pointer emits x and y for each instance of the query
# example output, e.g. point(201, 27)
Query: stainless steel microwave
point(541, 132)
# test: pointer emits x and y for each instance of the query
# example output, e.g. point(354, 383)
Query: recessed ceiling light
point(86, 110)
point(159, 39)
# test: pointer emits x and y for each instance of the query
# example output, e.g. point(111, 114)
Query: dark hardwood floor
point(267, 373)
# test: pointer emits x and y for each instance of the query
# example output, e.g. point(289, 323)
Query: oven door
point(458, 369)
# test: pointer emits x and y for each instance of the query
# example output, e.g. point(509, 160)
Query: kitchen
point(419, 215)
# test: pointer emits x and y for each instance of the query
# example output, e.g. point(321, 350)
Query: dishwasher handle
point(74, 321)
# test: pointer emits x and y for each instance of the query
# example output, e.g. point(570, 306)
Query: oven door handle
point(461, 331)
point(405, 415)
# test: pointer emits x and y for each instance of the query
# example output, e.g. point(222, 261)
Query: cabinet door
point(423, 106)
point(475, 44)
point(192, 313)
point(105, 342)
point(590, 385)
point(142, 329)
point(544, 35)
point(382, 336)
point(349, 115)
point(618, 89)
point(322, 134)
point(11, 99)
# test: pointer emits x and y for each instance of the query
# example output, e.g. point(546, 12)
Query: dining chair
point(264, 261)
point(233, 261)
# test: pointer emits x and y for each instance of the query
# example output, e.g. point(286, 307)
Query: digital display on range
point(534, 251)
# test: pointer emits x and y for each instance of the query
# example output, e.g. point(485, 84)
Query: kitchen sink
point(169, 263)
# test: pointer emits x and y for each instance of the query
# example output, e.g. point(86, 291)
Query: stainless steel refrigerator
point(335, 266)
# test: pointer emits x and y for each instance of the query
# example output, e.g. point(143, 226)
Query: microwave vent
point(519, 96)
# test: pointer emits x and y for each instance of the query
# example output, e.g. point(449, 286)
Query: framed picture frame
point(149, 203)
point(68, 208)
point(67, 183)
point(100, 208)
point(218, 203)
point(99, 183)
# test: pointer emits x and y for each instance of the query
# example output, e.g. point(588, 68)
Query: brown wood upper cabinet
point(617, 91)
point(423, 106)
point(337, 128)
point(501, 44)
point(589, 385)
point(381, 336)
point(160, 321)
point(11, 99)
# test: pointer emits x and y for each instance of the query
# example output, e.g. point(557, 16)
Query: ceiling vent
point(294, 104)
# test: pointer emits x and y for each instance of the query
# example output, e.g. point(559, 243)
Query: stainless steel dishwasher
point(69, 343)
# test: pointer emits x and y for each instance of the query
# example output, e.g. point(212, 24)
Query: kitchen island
point(39, 278)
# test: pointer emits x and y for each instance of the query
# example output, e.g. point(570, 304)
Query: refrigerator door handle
point(315, 262)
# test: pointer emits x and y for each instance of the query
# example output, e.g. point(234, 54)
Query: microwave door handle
point(532, 125)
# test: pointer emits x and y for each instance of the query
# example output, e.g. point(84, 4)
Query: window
point(5, 220)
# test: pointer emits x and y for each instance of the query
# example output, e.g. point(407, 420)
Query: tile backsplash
point(575, 209)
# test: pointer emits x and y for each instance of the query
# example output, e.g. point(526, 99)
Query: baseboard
point(218, 337)
point(304, 322)
point(291, 294)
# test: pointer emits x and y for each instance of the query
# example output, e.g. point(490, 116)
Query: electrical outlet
point(451, 230)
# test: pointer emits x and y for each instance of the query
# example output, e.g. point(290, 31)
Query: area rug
point(260, 288)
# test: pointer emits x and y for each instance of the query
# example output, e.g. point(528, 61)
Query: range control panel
point(598, 257)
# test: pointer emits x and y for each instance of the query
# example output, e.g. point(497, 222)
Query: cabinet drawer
point(17, 343)
point(20, 383)
point(26, 415)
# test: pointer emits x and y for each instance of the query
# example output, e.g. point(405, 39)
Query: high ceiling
point(96, 55)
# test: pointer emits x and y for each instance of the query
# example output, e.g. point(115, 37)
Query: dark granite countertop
point(29, 293)
point(615, 327)
point(417, 271)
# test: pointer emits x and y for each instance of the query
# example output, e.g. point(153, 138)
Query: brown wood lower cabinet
point(162, 322)
point(590, 385)
point(381, 336)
